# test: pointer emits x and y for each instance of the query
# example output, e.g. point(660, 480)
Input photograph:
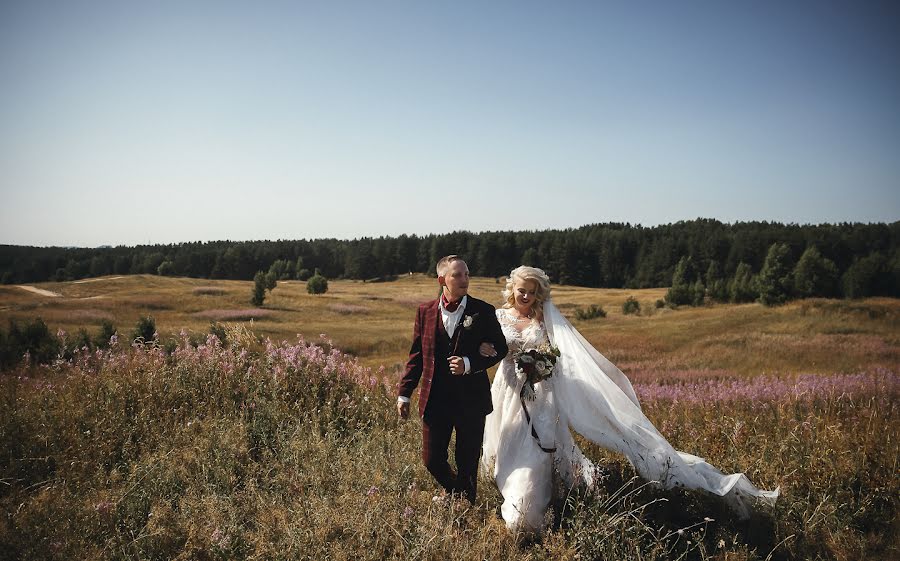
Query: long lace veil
point(596, 400)
point(580, 352)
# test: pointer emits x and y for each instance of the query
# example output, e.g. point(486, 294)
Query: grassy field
point(292, 451)
point(373, 321)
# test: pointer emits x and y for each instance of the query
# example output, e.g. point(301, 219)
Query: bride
point(528, 435)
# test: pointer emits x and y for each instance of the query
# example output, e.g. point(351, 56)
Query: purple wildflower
point(104, 507)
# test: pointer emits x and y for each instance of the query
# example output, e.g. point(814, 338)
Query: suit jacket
point(474, 388)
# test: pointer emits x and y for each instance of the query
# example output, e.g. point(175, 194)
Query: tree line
point(859, 259)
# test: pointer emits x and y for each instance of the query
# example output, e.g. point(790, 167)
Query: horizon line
point(464, 231)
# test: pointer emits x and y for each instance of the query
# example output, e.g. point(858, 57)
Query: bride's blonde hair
point(541, 292)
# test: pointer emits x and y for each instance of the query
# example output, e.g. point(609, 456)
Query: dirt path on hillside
point(95, 280)
point(40, 291)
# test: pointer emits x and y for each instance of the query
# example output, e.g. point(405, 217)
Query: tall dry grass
point(248, 451)
point(256, 450)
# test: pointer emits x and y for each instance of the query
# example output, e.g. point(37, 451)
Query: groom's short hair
point(444, 264)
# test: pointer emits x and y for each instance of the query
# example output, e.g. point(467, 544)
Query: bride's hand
point(487, 350)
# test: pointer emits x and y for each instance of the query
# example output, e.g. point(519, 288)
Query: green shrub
point(107, 330)
point(631, 306)
point(34, 339)
point(145, 330)
point(591, 312)
point(81, 340)
point(317, 284)
point(660, 303)
point(217, 329)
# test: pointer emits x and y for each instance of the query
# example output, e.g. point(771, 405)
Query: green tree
point(741, 288)
point(166, 269)
point(815, 275)
point(152, 262)
point(317, 284)
point(681, 292)
point(282, 269)
point(299, 268)
point(716, 287)
point(530, 257)
point(774, 280)
point(259, 289)
point(698, 293)
point(359, 263)
point(613, 255)
point(271, 281)
point(869, 276)
point(99, 266)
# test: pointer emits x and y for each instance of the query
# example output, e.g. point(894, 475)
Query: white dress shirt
point(451, 319)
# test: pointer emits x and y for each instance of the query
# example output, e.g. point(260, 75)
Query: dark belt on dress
point(534, 432)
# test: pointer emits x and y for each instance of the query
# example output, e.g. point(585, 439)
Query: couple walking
point(456, 338)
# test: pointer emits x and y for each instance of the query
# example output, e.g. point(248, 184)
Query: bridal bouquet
point(537, 365)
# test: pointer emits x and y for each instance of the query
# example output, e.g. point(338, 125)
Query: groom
point(455, 392)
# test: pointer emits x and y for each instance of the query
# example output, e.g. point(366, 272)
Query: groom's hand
point(403, 409)
point(457, 365)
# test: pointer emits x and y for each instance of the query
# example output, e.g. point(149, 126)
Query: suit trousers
point(437, 427)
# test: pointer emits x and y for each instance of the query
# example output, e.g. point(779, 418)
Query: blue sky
point(134, 122)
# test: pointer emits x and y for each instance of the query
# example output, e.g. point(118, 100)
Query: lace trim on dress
point(534, 334)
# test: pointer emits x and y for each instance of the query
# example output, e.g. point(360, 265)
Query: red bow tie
point(448, 305)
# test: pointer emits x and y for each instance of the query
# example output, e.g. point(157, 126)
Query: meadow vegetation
point(235, 445)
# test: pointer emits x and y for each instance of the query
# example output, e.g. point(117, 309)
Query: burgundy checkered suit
point(448, 402)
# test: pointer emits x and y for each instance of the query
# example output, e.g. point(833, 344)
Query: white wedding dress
point(587, 393)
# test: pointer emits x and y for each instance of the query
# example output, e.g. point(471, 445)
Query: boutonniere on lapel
point(468, 321)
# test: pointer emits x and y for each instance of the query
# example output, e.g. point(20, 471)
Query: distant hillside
point(598, 255)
